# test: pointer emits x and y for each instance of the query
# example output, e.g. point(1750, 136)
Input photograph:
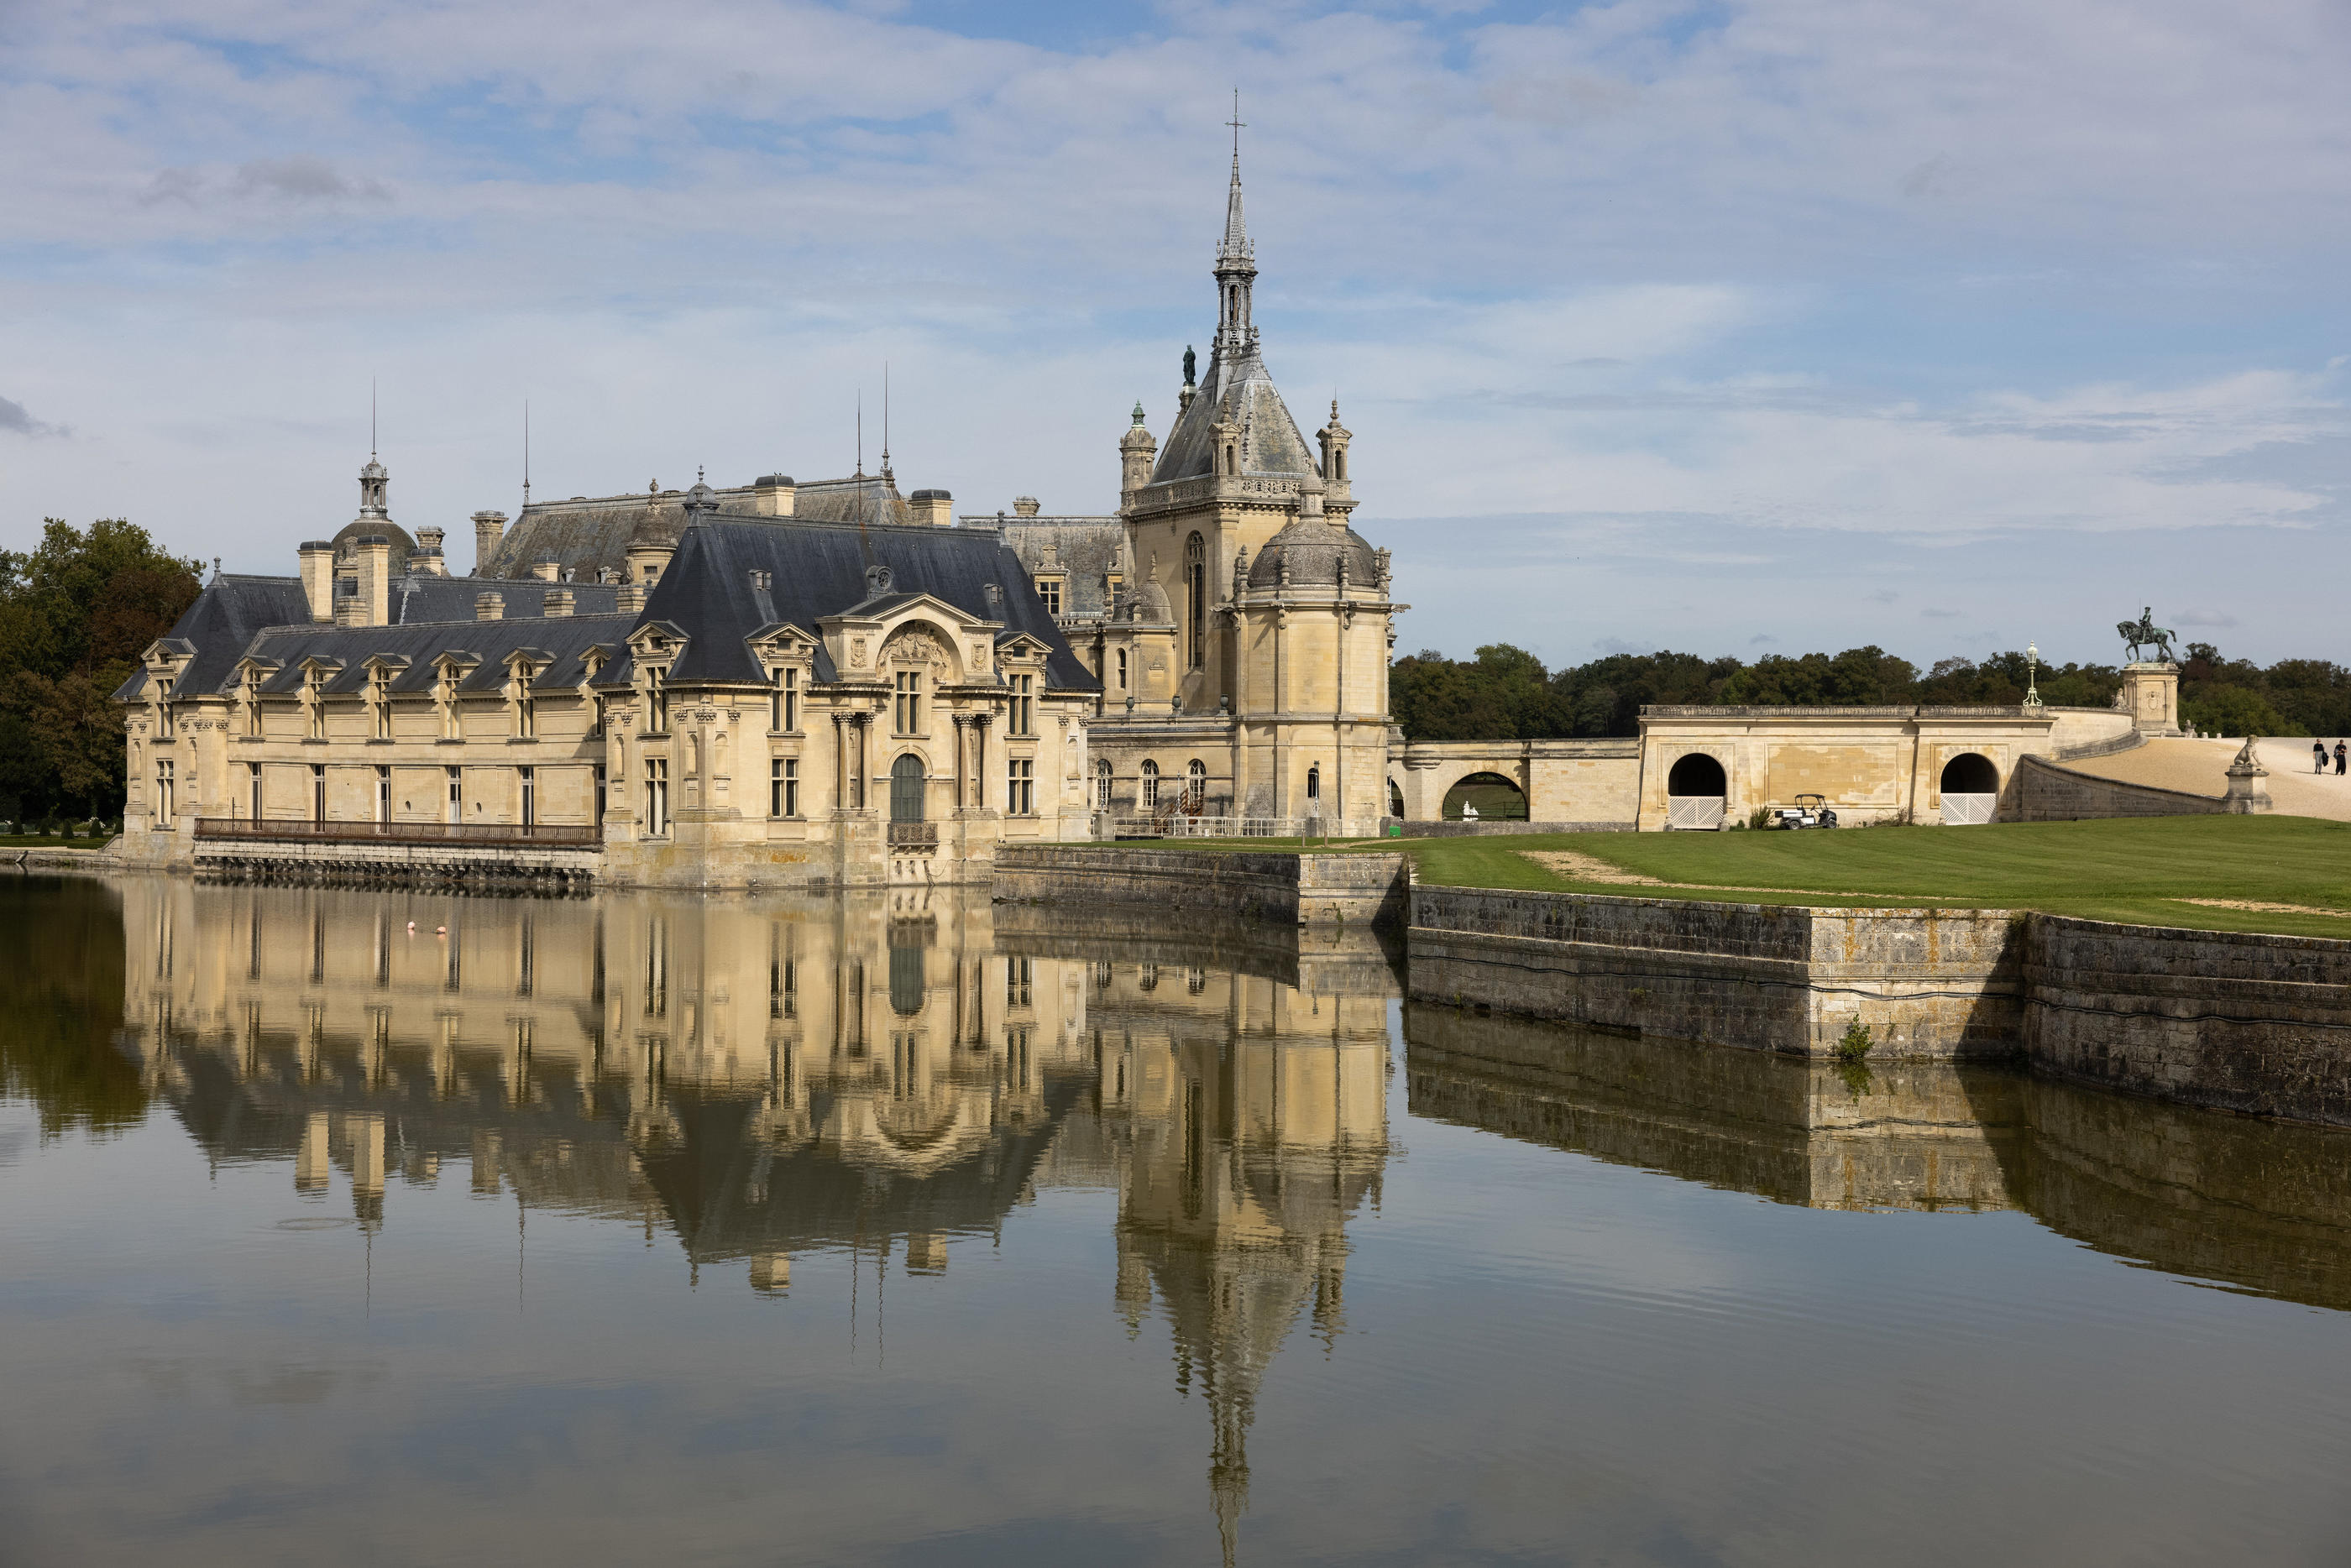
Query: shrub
point(1855, 1043)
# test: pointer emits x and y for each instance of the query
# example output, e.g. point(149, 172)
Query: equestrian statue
point(2143, 636)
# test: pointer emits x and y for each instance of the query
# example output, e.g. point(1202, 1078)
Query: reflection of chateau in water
point(781, 1078)
point(2261, 1206)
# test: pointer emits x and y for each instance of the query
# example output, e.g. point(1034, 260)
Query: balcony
point(913, 837)
point(476, 834)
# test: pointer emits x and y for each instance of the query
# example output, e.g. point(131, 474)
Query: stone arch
point(1480, 788)
point(1697, 788)
point(1968, 789)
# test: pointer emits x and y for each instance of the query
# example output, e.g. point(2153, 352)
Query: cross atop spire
point(1237, 246)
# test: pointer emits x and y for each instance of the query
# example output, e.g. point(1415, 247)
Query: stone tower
point(1281, 610)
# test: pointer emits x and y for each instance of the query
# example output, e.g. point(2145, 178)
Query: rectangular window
point(1024, 704)
point(163, 729)
point(783, 787)
point(529, 778)
point(164, 806)
point(318, 713)
point(656, 702)
point(318, 791)
point(253, 784)
point(1021, 792)
point(600, 795)
point(1049, 590)
point(252, 708)
point(596, 717)
point(382, 796)
point(1122, 669)
point(382, 710)
point(656, 797)
point(910, 702)
point(784, 702)
point(1018, 978)
point(456, 796)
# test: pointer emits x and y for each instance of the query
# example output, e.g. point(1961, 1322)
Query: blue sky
point(1730, 327)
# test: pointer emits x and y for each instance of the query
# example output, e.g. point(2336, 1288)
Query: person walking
point(2342, 758)
point(2318, 752)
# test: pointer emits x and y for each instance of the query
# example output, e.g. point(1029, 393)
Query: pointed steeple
point(1236, 259)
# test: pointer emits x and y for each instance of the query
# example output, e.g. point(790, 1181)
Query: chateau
point(780, 684)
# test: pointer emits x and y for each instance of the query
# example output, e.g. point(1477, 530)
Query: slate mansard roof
point(233, 612)
point(817, 569)
point(588, 533)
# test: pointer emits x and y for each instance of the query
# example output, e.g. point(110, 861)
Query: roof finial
point(1237, 123)
point(1236, 242)
point(525, 451)
point(371, 416)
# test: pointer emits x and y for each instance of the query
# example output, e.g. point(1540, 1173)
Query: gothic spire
point(1237, 246)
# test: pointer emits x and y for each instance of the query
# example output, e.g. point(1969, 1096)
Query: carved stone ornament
point(915, 646)
point(857, 651)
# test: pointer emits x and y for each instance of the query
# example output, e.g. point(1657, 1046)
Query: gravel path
point(2200, 767)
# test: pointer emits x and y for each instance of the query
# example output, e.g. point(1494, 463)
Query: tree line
point(1506, 693)
point(76, 612)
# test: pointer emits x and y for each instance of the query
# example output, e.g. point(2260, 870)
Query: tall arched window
point(1150, 784)
point(1102, 784)
point(1314, 782)
point(1195, 601)
point(1196, 784)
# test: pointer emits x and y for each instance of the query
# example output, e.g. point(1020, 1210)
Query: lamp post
point(2032, 687)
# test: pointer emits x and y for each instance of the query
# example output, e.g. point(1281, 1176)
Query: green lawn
point(2140, 871)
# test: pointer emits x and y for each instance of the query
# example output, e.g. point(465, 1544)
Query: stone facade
point(771, 700)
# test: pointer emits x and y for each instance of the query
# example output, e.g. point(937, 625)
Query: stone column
point(962, 733)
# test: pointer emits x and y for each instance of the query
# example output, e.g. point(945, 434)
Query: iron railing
point(914, 835)
point(1182, 827)
point(536, 835)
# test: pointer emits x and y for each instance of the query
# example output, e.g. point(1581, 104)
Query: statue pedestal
point(2247, 794)
point(2151, 697)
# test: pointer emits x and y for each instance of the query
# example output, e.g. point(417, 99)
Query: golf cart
point(1810, 811)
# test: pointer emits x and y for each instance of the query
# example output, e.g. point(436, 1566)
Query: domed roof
point(402, 545)
point(1150, 604)
point(1313, 548)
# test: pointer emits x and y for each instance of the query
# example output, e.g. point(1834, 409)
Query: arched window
point(907, 789)
point(1102, 781)
point(1314, 782)
point(1150, 784)
point(1195, 601)
point(1232, 458)
point(1196, 784)
point(1339, 465)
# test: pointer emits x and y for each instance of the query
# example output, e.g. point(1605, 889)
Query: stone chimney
point(490, 607)
point(936, 507)
point(555, 602)
point(772, 496)
point(1024, 507)
point(629, 600)
point(428, 557)
point(489, 529)
point(547, 569)
point(318, 577)
point(375, 579)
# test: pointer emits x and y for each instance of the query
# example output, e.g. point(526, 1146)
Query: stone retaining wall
point(2226, 1019)
point(406, 865)
point(2041, 791)
point(1929, 984)
point(1283, 888)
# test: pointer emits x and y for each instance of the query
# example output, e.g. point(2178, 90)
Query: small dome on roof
point(346, 541)
point(1313, 549)
point(1150, 603)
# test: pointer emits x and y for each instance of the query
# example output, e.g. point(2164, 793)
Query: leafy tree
point(74, 614)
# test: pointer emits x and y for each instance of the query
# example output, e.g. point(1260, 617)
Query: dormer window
point(444, 698)
point(314, 701)
point(1049, 590)
point(163, 724)
point(657, 702)
point(380, 703)
point(252, 695)
point(1024, 705)
point(526, 704)
point(784, 701)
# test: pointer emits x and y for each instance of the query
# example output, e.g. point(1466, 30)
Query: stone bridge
point(1589, 783)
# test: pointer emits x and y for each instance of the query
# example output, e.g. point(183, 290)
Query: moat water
point(904, 1231)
